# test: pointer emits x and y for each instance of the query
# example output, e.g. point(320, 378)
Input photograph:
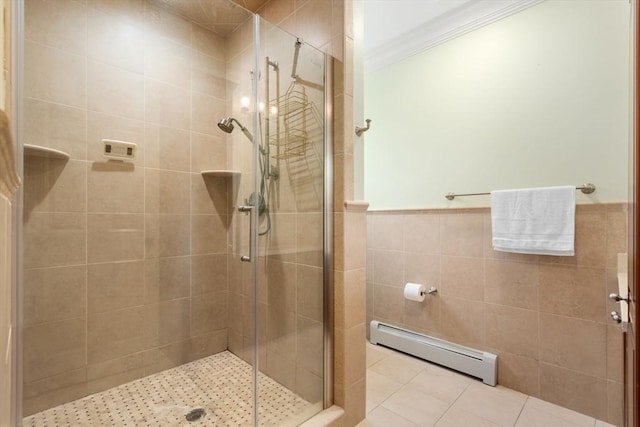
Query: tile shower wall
point(125, 263)
point(546, 317)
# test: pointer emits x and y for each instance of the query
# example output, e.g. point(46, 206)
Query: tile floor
point(403, 391)
point(221, 384)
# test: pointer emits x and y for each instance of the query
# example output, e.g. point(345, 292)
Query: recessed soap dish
point(44, 152)
point(223, 173)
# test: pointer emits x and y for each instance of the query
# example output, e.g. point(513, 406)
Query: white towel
point(534, 220)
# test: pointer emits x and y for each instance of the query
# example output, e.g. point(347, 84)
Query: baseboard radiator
point(464, 359)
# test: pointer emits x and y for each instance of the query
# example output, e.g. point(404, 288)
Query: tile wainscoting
point(546, 317)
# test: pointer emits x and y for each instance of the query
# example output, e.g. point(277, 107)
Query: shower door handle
point(249, 209)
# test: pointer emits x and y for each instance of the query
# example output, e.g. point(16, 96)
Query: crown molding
point(446, 27)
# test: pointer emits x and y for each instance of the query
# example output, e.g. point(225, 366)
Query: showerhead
point(226, 124)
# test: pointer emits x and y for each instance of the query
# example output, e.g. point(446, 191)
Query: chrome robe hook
point(361, 130)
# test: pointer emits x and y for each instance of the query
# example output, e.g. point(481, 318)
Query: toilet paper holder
point(432, 290)
point(617, 298)
point(417, 292)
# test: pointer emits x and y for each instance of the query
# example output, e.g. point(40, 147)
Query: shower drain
point(195, 414)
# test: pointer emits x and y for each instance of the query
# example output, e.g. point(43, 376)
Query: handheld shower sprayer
point(255, 199)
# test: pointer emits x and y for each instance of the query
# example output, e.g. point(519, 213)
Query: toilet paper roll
point(414, 292)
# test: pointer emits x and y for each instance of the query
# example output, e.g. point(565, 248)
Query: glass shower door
point(291, 226)
point(275, 127)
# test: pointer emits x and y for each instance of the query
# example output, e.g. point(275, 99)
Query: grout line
point(521, 410)
point(527, 400)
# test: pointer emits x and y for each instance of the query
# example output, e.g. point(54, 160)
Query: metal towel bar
point(587, 188)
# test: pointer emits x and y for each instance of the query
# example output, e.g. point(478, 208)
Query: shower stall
point(176, 235)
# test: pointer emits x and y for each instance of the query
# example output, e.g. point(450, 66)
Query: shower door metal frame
point(631, 353)
point(16, 23)
point(327, 265)
point(253, 234)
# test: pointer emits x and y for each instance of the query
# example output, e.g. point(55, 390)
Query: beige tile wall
point(321, 23)
point(125, 263)
point(546, 317)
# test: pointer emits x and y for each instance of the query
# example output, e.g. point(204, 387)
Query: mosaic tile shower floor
point(221, 384)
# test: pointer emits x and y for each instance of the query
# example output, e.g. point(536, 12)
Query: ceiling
point(397, 29)
point(219, 16)
point(393, 29)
